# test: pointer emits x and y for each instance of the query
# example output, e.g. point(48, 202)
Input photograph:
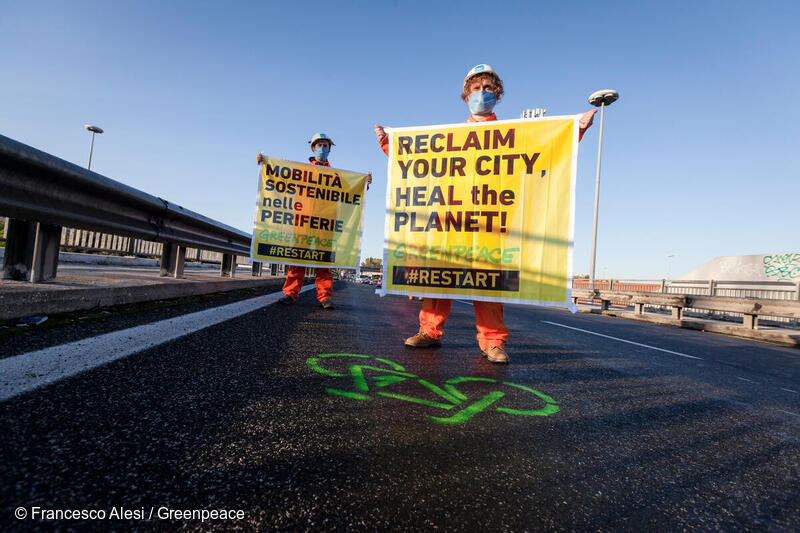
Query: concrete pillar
point(677, 313)
point(750, 321)
point(256, 269)
point(227, 267)
point(638, 308)
point(663, 286)
point(711, 286)
point(273, 269)
point(31, 251)
point(604, 304)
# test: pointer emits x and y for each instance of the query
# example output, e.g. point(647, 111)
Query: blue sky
point(699, 157)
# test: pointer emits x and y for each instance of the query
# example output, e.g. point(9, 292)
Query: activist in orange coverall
point(321, 146)
point(482, 89)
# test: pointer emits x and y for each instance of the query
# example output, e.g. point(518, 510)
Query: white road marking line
point(622, 340)
point(745, 379)
point(790, 390)
point(28, 371)
point(788, 412)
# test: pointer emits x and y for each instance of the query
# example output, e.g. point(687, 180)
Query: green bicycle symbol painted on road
point(365, 372)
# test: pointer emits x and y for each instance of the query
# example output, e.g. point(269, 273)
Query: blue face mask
point(481, 103)
point(321, 153)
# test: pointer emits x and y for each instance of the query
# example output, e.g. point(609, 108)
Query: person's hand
point(260, 158)
point(369, 179)
point(380, 133)
point(586, 120)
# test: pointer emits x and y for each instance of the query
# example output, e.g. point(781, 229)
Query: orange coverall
point(492, 330)
point(296, 275)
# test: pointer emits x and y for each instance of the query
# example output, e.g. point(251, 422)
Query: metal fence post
point(711, 285)
point(173, 259)
point(227, 267)
point(180, 262)
point(45, 252)
point(169, 257)
point(31, 250)
point(20, 236)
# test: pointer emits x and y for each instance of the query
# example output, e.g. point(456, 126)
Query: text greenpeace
point(308, 215)
point(482, 211)
point(122, 513)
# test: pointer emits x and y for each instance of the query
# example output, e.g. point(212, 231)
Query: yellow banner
point(482, 211)
point(308, 215)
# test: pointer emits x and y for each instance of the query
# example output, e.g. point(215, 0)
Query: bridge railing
point(770, 290)
point(41, 194)
point(749, 309)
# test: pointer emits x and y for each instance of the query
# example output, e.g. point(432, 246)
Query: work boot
point(422, 340)
point(286, 300)
point(496, 354)
point(326, 303)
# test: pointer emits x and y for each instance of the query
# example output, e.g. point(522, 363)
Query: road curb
point(27, 303)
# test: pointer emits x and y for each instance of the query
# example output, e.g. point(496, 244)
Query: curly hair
point(498, 84)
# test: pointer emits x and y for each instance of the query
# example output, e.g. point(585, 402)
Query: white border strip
point(385, 267)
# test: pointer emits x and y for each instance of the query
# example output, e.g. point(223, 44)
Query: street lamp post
point(599, 99)
point(94, 130)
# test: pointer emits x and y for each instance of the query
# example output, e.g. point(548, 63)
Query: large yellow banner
point(482, 211)
point(308, 215)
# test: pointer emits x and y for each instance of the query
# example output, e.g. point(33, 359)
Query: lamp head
point(604, 97)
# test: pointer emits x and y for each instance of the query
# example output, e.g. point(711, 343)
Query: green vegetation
point(372, 262)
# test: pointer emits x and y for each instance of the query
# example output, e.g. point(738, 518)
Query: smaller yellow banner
point(308, 215)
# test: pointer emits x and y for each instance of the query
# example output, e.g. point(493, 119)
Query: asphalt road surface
point(598, 424)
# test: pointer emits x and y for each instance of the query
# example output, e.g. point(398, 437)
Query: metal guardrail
point(750, 308)
point(41, 193)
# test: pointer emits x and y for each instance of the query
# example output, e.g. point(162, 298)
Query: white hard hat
point(320, 136)
point(479, 69)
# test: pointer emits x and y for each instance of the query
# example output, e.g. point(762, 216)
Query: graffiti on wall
point(782, 267)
